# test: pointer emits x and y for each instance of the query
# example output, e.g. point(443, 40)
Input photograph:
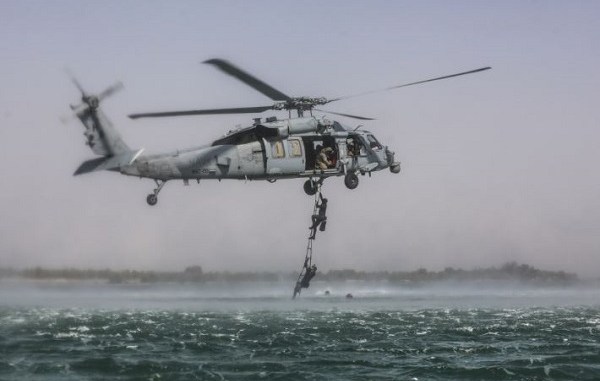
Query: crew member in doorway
point(323, 157)
point(319, 220)
point(353, 147)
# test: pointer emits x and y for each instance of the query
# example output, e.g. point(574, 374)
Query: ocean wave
point(436, 343)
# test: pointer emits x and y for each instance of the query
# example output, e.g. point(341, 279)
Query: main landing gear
point(152, 198)
point(311, 186)
point(351, 180)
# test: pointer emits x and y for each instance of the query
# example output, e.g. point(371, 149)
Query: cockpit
point(373, 143)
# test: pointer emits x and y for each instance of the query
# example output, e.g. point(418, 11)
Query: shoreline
point(509, 273)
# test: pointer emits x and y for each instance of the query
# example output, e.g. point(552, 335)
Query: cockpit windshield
point(373, 142)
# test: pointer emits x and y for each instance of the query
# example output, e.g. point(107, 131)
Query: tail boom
point(108, 163)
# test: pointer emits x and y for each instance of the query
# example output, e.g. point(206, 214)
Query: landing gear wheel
point(151, 199)
point(351, 180)
point(310, 187)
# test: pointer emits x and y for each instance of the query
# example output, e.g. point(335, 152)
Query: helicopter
point(304, 146)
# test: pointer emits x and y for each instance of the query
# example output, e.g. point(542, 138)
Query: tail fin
point(100, 134)
point(103, 139)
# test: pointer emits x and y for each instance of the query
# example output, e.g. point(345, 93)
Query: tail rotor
point(90, 101)
point(101, 136)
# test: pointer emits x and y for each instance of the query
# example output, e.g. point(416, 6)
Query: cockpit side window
point(373, 142)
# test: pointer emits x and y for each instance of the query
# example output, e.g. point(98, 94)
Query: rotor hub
point(92, 101)
point(300, 103)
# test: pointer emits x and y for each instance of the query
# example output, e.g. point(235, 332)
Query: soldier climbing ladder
point(319, 219)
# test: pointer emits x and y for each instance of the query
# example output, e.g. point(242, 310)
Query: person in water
point(319, 220)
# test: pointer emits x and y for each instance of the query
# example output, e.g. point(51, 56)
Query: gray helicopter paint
point(251, 160)
point(222, 161)
point(246, 161)
point(297, 126)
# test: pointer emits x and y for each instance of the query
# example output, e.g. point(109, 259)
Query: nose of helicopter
point(394, 166)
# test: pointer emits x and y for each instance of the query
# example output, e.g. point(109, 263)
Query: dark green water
point(395, 335)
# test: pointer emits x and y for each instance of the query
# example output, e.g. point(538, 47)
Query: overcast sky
point(497, 166)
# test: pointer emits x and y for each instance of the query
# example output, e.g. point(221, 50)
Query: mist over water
point(256, 296)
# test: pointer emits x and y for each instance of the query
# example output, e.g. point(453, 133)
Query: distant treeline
point(190, 274)
point(511, 271)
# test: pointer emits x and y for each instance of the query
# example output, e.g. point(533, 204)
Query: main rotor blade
point(410, 84)
point(237, 110)
point(348, 115)
point(110, 91)
point(75, 81)
point(248, 79)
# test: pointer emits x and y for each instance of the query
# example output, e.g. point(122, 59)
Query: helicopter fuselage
point(271, 151)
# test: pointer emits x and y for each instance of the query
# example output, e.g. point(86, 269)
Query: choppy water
point(186, 333)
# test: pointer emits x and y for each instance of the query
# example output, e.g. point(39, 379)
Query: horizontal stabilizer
point(108, 162)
